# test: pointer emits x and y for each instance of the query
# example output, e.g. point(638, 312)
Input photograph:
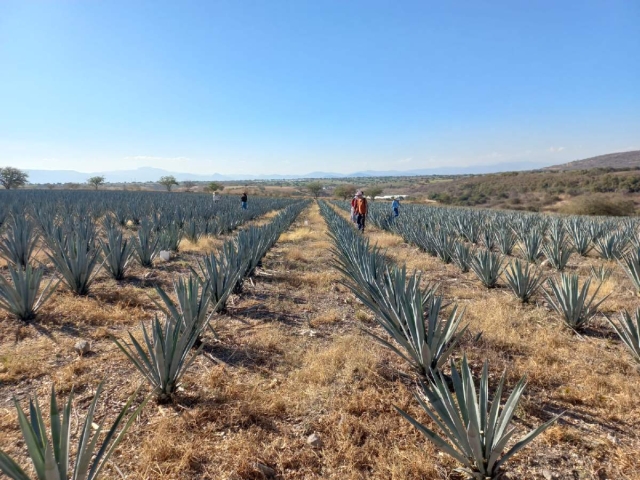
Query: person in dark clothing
point(243, 199)
point(361, 210)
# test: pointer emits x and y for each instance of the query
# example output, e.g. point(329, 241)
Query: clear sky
point(304, 85)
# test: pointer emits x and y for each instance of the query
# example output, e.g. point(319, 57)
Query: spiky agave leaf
point(221, 273)
point(524, 279)
point(117, 251)
point(631, 265)
point(628, 329)
point(75, 255)
point(475, 431)
point(487, 266)
point(462, 256)
point(192, 309)
point(611, 247)
point(163, 356)
point(20, 241)
point(557, 253)
point(506, 240)
point(22, 297)
point(602, 272)
point(531, 243)
point(146, 244)
point(50, 454)
point(571, 302)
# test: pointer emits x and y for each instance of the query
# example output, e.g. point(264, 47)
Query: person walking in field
point(353, 208)
point(395, 206)
point(361, 210)
point(243, 199)
point(215, 197)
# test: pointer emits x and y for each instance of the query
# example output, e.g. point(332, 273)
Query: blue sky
point(298, 86)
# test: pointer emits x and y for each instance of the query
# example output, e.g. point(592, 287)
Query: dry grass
point(291, 360)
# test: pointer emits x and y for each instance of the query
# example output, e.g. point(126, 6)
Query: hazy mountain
point(620, 160)
point(151, 174)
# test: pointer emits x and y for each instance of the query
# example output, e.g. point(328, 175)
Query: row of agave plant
point(449, 240)
point(168, 348)
point(79, 250)
point(570, 300)
point(474, 430)
point(447, 232)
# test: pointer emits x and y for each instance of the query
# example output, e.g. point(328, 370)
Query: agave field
point(165, 336)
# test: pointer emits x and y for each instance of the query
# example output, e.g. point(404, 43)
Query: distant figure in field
point(353, 208)
point(243, 199)
point(395, 206)
point(361, 210)
point(215, 197)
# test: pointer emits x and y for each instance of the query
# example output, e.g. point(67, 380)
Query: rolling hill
point(620, 161)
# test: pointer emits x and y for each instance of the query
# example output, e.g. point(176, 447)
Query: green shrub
point(600, 205)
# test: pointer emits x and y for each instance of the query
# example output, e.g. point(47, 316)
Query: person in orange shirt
point(360, 210)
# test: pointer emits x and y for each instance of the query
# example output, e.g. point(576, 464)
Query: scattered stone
point(314, 440)
point(82, 347)
point(267, 471)
point(165, 255)
point(547, 474)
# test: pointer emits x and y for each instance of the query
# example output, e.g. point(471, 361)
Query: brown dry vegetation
point(292, 360)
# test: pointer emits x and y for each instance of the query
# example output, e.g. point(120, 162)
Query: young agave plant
point(118, 252)
point(76, 258)
point(412, 317)
point(20, 241)
point(631, 264)
point(20, 296)
point(571, 302)
point(170, 238)
point(50, 455)
point(557, 253)
point(146, 244)
point(580, 236)
point(475, 431)
point(602, 273)
point(487, 266)
point(628, 329)
point(531, 244)
point(221, 274)
point(163, 357)
point(524, 279)
point(191, 311)
point(443, 244)
point(488, 237)
point(611, 247)
point(462, 256)
point(506, 240)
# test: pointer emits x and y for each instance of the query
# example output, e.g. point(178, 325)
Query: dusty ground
point(292, 361)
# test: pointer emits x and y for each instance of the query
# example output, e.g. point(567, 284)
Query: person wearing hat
point(353, 208)
point(361, 210)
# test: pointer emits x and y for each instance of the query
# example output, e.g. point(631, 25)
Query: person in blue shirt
point(395, 205)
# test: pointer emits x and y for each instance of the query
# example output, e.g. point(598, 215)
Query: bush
point(600, 205)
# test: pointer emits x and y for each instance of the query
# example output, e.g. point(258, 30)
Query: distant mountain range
point(150, 174)
point(620, 160)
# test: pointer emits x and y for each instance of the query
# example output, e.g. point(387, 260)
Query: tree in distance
point(315, 188)
point(96, 181)
point(168, 182)
point(71, 185)
point(214, 187)
point(345, 191)
point(11, 177)
point(188, 185)
point(373, 192)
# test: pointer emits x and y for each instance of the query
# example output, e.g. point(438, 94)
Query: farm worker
point(353, 208)
point(243, 199)
point(395, 205)
point(215, 197)
point(361, 210)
